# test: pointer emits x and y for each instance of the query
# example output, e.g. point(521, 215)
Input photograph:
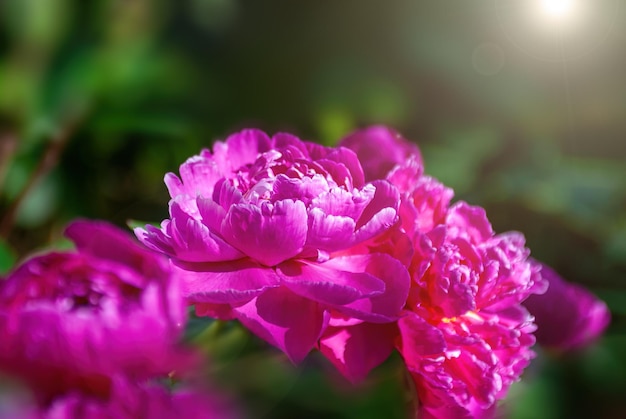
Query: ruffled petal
point(329, 232)
point(380, 214)
point(271, 233)
point(240, 149)
point(193, 241)
point(469, 222)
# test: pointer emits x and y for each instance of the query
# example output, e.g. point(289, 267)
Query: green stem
point(49, 160)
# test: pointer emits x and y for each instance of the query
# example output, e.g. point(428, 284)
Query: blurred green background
point(519, 112)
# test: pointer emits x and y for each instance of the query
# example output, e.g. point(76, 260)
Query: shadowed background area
point(519, 108)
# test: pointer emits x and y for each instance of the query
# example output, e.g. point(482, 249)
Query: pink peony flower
point(265, 230)
point(568, 316)
point(71, 320)
point(129, 400)
point(464, 335)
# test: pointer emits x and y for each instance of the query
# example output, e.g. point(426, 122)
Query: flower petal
point(325, 284)
point(378, 308)
point(291, 323)
point(225, 283)
point(380, 214)
point(329, 232)
point(105, 242)
point(192, 241)
point(240, 149)
point(379, 149)
point(568, 316)
point(356, 350)
point(271, 233)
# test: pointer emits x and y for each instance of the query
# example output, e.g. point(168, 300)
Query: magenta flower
point(265, 230)
point(466, 338)
point(568, 316)
point(71, 320)
point(130, 400)
point(464, 335)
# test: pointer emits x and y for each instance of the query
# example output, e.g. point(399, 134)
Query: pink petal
point(329, 232)
point(240, 149)
point(418, 339)
point(282, 140)
point(383, 307)
point(469, 221)
point(225, 283)
point(271, 233)
point(192, 241)
point(568, 316)
point(325, 284)
point(381, 213)
point(197, 177)
point(291, 323)
point(379, 149)
point(303, 189)
point(338, 201)
point(102, 240)
point(356, 350)
point(349, 159)
point(406, 175)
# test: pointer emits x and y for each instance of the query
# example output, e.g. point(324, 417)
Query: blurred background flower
point(517, 105)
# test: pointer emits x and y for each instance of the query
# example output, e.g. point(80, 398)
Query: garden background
point(518, 113)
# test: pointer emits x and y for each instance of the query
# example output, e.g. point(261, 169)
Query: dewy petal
point(568, 316)
point(323, 283)
point(271, 233)
point(291, 323)
point(380, 308)
point(356, 350)
point(225, 283)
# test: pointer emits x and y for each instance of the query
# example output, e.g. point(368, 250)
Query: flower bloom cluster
point(91, 332)
point(465, 335)
point(264, 230)
point(351, 250)
point(354, 251)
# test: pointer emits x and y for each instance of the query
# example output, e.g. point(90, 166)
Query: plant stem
point(48, 161)
point(8, 146)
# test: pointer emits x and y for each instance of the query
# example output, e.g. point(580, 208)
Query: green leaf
point(7, 257)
